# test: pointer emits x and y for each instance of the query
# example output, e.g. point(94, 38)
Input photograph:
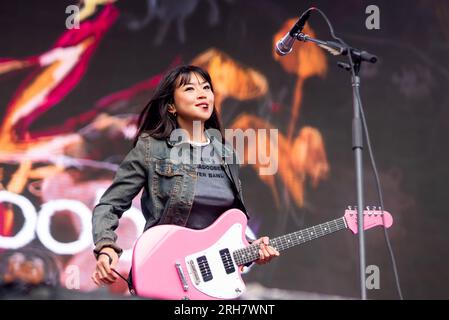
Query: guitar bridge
point(193, 270)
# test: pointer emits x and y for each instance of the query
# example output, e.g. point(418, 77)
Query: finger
point(94, 279)
point(261, 257)
point(266, 255)
point(272, 251)
point(265, 240)
point(103, 276)
point(114, 263)
point(106, 281)
point(111, 277)
point(99, 279)
point(109, 274)
point(100, 269)
point(104, 265)
point(265, 251)
point(259, 241)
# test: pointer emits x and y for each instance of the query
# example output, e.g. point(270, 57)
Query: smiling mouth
point(202, 105)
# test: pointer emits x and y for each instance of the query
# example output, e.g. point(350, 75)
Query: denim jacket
point(168, 185)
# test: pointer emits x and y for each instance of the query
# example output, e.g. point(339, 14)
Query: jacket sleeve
point(128, 181)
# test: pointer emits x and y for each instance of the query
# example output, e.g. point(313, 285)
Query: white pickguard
point(222, 285)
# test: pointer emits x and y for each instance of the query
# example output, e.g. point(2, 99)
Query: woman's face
point(194, 100)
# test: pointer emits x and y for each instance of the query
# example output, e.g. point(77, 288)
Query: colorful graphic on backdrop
point(74, 160)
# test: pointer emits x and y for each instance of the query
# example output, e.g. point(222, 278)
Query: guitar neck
point(251, 253)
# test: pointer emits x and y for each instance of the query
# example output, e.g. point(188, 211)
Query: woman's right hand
point(103, 273)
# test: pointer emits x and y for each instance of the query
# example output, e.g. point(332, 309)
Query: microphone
point(285, 45)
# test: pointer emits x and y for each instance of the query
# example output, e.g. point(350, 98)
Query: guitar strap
point(128, 281)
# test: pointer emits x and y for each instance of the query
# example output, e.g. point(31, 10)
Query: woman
point(192, 196)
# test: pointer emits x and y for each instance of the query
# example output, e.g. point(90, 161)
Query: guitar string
point(242, 256)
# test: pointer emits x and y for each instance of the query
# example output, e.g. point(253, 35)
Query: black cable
point(379, 192)
point(368, 142)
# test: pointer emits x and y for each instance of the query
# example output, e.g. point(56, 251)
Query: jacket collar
point(224, 149)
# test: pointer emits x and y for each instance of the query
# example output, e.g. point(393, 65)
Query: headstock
point(372, 217)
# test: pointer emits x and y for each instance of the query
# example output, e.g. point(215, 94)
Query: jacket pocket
point(167, 181)
point(168, 169)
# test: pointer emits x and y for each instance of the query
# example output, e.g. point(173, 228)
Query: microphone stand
point(357, 130)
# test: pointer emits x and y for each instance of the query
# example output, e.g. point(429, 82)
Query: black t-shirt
point(213, 193)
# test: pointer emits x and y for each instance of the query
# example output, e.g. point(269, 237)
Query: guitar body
point(173, 262)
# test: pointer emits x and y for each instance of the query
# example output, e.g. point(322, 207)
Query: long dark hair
point(155, 120)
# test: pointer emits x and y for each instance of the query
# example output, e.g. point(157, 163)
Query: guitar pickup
point(227, 261)
point(204, 268)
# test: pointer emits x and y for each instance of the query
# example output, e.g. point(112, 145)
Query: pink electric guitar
point(172, 262)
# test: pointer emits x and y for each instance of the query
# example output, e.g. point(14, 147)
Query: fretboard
point(251, 253)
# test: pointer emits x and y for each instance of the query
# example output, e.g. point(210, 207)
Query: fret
point(335, 222)
point(301, 237)
point(312, 233)
point(320, 231)
point(251, 253)
point(305, 234)
point(292, 240)
point(326, 228)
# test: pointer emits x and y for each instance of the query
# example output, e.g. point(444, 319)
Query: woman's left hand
point(266, 251)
